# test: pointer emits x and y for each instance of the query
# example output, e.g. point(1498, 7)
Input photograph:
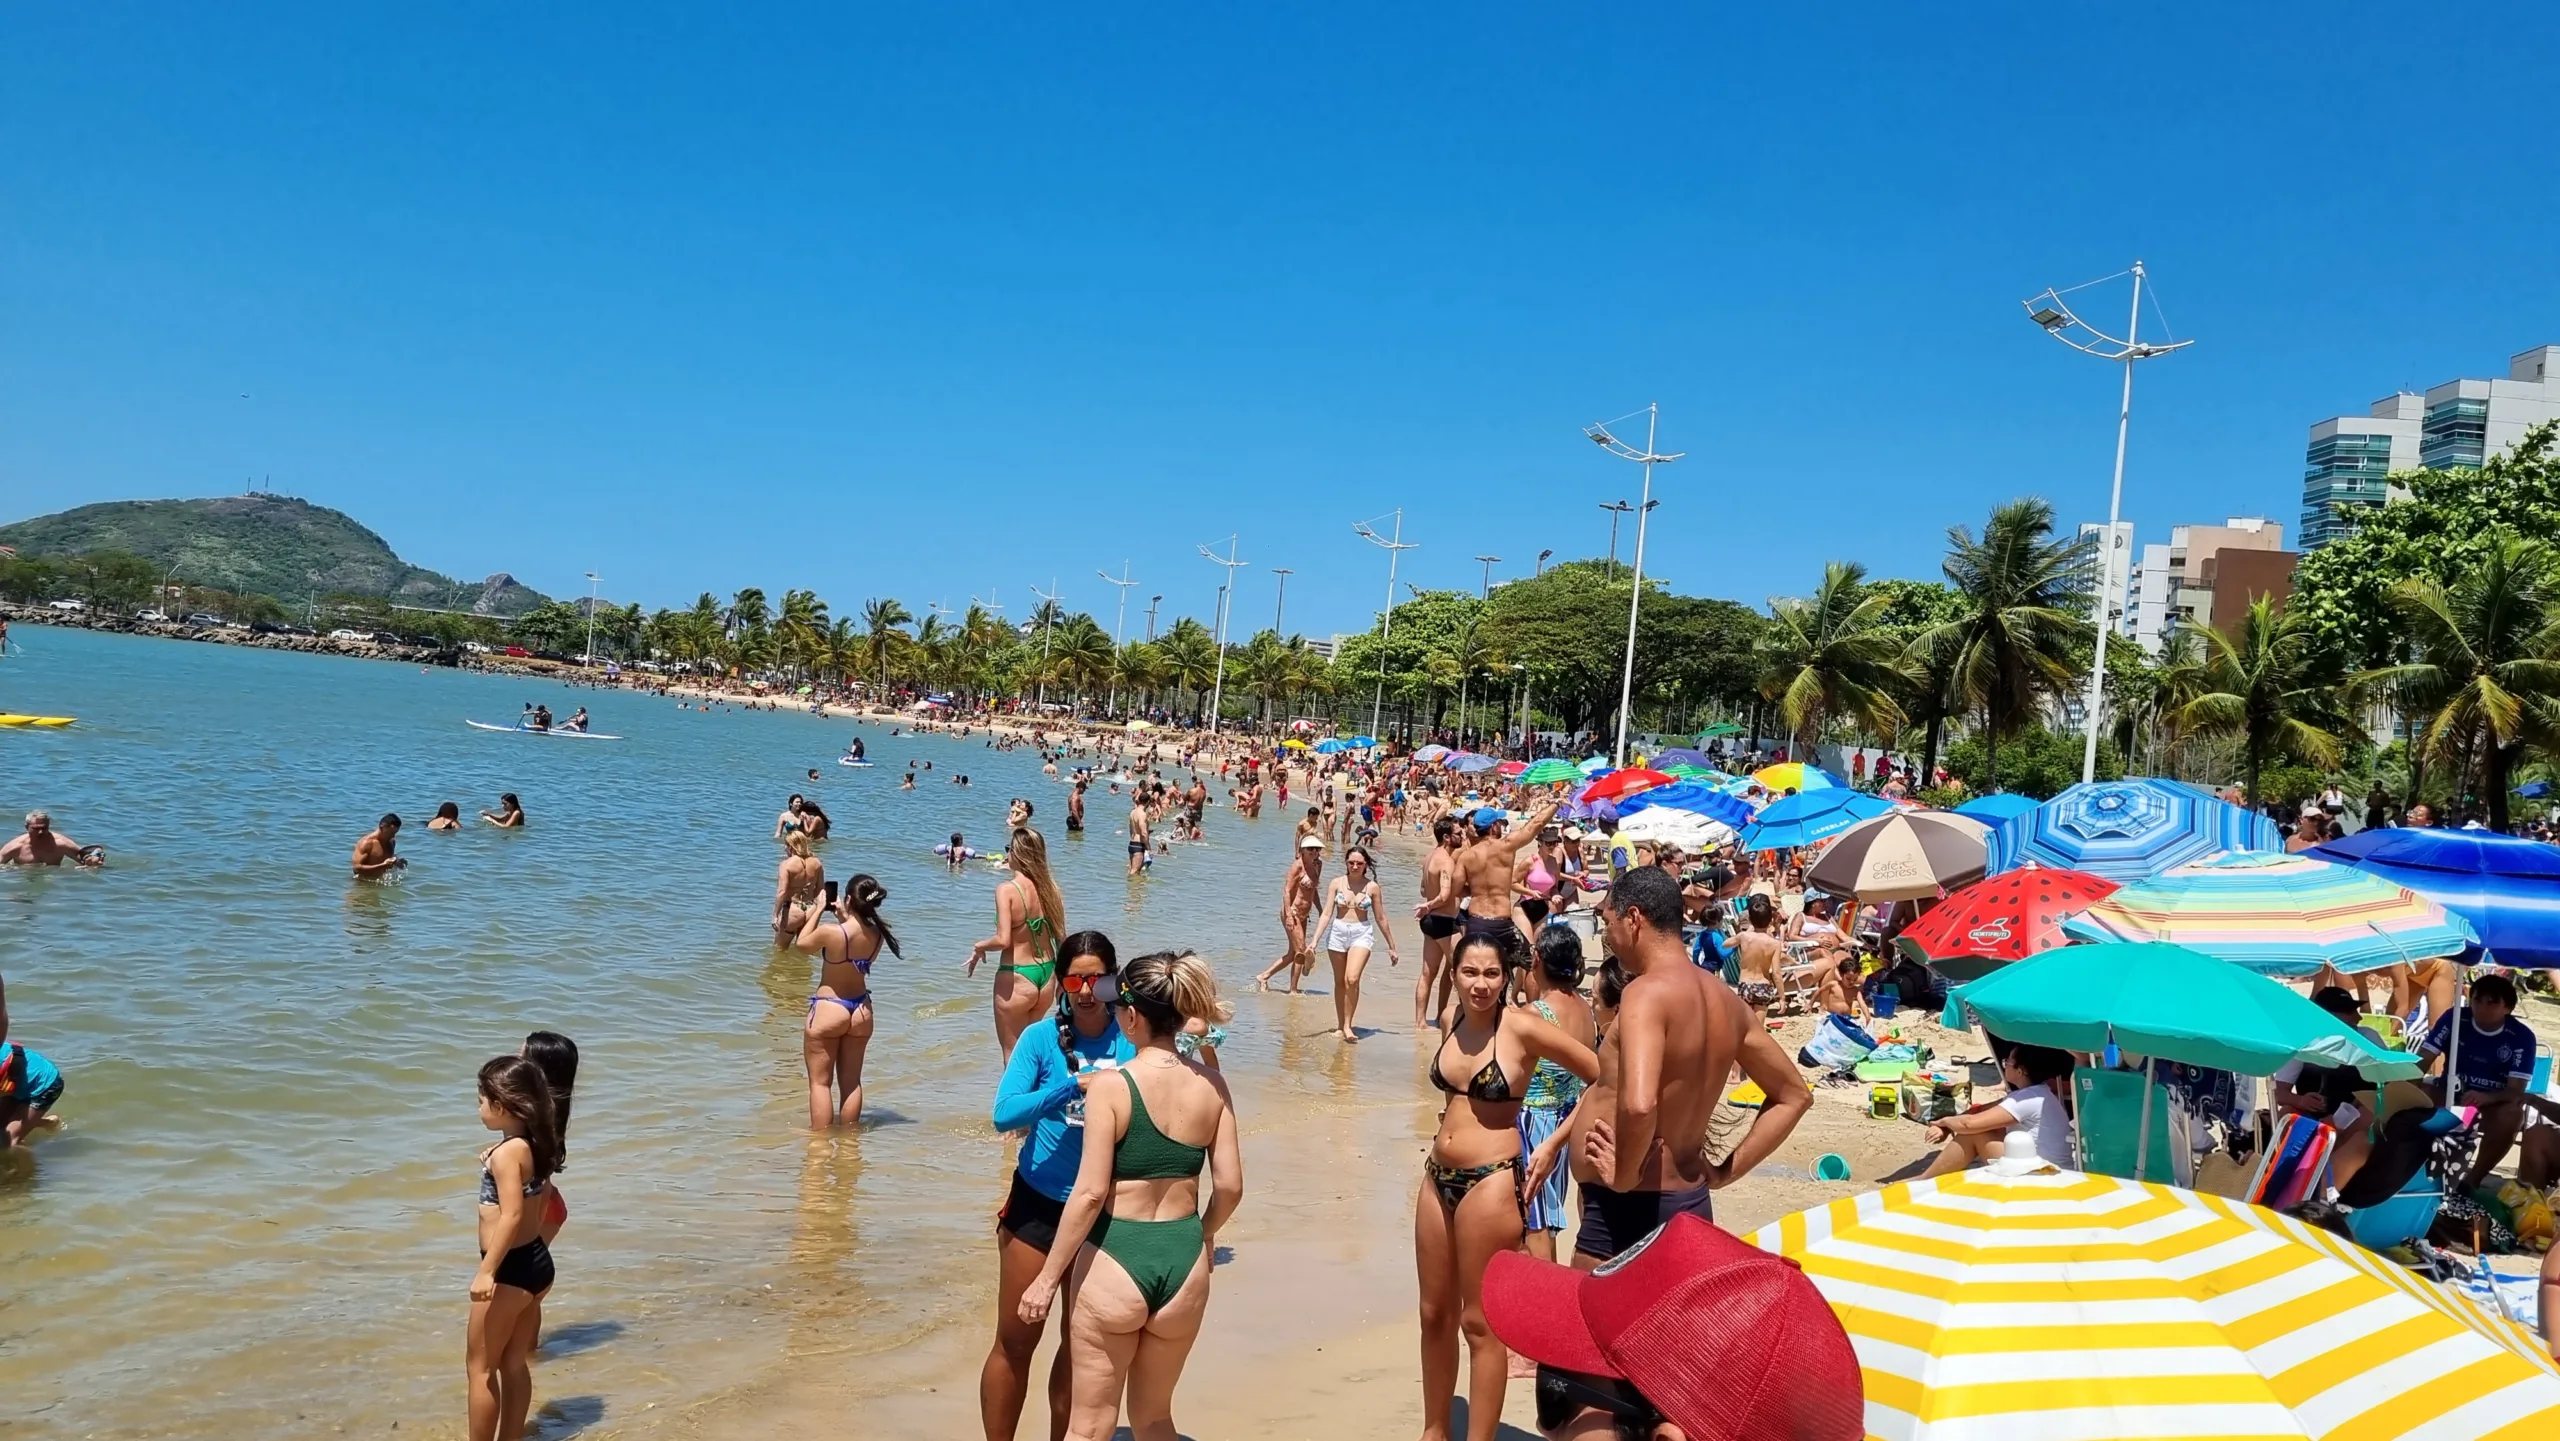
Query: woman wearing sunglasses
point(1043, 1091)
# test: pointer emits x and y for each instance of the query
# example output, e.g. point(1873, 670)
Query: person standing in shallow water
point(1030, 915)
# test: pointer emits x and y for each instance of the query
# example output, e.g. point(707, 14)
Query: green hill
point(270, 545)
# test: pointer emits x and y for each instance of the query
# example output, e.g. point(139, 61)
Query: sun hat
point(1311, 843)
point(1728, 1341)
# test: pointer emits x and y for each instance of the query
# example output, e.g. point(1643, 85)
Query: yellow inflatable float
point(35, 720)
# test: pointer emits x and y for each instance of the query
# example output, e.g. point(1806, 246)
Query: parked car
point(517, 652)
point(200, 618)
point(72, 607)
point(342, 633)
point(384, 637)
point(151, 615)
point(475, 647)
point(266, 627)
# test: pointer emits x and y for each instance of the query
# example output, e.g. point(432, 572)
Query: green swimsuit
point(1158, 1255)
point(1038, 972)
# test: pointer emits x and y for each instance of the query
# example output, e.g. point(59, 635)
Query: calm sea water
point(259, 1216)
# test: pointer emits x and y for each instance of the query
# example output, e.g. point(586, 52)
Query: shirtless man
point(1075, 805)
point(374, 858)
point(1640, 1134)
point(1138, 831)
point(1439, 919)
point(1759, 954)
point(42, 845)
point(1298, 893)
point(1488, 873)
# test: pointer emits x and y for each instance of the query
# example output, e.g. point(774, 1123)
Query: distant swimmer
point(375, 856)
point(448, 817)
point(42, 845)
point(509, 815)
point(908, 782)
point(956, 853)
point(1075, 805)
point(852, 749)
point(813, 772)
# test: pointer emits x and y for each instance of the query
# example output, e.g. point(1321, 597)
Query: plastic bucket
point(1887, 1002)
point(1831, 1168)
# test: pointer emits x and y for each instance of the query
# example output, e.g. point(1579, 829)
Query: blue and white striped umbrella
point(1697, 797)
point(2129, 829)
point(1801, 820)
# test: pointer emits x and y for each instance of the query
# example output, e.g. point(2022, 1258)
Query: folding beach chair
point(2110, 1109)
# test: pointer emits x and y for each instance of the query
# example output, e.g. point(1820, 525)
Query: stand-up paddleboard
point(555, 731)
point(850, 761)
point(36, 720)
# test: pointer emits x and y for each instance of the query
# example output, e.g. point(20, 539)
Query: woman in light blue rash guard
point(1043, 1092)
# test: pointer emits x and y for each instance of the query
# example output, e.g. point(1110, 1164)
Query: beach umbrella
point(1800, 820)
point(1685, 829)
point(1511, 768)
point(1904, 856)
point(1788, 776)
point(1333, 745)
point(1720, 728)
point(2283, 915)
point(1992, 809)
point(1680, 755)
point(2006, 918)
point(1692, 796)
point(2128, 829)
point(1548, 772)
point(2168, 1003)
point(1618, 784)
point(1592, 765)
point(2066, 1307)
point(1469, 763)
point(1431, 752)
point(1293, 745)
point(2507, 887)
point(1683, 771)
point(1139, 725)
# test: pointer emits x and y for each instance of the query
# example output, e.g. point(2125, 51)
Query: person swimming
point(956, 852)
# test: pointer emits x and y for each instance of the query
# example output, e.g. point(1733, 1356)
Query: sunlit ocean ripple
point(259, 1217)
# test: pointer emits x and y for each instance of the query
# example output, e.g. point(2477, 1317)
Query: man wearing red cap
point(1689, 1335)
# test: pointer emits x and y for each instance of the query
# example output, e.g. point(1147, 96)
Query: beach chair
point(2392, 1033)
point(2109, 1105)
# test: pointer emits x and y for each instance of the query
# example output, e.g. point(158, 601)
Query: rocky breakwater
point(232, 635)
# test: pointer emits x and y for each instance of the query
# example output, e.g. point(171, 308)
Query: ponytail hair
point(862, 896)
point(1171, 987)
point(1075, 947)
point(517, 1086)
point(557, 1055)
point(1029, 856)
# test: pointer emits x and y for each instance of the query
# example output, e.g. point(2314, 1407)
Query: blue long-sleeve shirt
point(1037, 1089)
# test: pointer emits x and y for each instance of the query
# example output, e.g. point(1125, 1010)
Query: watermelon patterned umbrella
point(2007, 918)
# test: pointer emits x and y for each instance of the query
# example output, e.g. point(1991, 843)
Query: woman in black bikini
point(1469, 1205)
point(846, 934)
point(515, 1266)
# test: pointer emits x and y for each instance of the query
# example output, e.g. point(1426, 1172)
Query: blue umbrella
point(1329, 746)
point(1801, 820)
point(1469, 763)
point(1593, 765)
point(2508, 888)
point(1681, 756)
point(1991, 810)
point(2129, 829)
point(1694, 796)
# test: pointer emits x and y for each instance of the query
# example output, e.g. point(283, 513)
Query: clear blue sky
point(928, 300)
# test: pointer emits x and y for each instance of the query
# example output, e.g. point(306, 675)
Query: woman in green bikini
point(1141, 1286)
point(1030, 916)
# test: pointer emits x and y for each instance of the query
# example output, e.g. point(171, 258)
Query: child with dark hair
point(2028, 1122)
point(515, 1266)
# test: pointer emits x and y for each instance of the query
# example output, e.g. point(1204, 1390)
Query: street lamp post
point(1280, 607)
point(592, 584)
point(1466, 648)
point(2049, 311)
point(1542, 563)
point(1617, 509)
point(1048, 615)
point(1395, 545)
point(1648, 458)
point(1152, 602)
point(1226, 600)
point(1528, 737)
point(1119, 618)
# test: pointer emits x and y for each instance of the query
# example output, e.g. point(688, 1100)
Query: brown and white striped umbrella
point(1906, 856)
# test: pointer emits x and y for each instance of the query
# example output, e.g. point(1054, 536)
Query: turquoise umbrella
point(2167, 1003)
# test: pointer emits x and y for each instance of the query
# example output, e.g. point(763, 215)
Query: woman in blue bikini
point(846, 934)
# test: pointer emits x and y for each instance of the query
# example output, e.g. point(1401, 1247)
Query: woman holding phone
point(846, 932)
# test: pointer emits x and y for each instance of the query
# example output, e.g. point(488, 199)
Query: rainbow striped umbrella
point(2065, 1307)
point(2278, 914)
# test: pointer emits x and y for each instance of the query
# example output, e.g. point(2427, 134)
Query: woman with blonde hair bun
point(1133, 1230)
point(1030, 917)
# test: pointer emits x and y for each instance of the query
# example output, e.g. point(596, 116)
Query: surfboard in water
point(556, 732)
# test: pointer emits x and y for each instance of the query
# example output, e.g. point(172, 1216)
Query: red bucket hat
point(1729, 1342)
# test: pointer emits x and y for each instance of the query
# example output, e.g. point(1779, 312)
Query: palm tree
point(1190, 657)
point(2263, 688)
point(2017, 643)
point(1082, 655)
point(747, 610)
point(1831, 656)
point(1140, 667)
point(840, 650)
point(2148, 696)
point(884, 629)
point(2488, 661)
point(982, 638)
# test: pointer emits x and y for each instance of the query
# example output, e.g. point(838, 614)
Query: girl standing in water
point(846, 934)
point(795, 887)
point(1142, 1286)
point(1030, 916)
point(515, 1266)
point(1474, 1187)
point(1043, 1091)
point(1357, 921)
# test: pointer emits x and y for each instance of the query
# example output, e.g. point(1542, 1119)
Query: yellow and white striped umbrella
point(2062, 1307)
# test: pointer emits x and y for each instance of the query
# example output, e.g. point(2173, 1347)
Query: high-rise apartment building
point(2118, 559)
point(2188, 582)
point(2458, 423)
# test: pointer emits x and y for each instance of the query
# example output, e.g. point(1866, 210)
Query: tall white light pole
point(2049, 311)
point(1648, 458)
point(1226, 603)
point(1395, 545)
point(1118, 618)
point(1280, 607)
point(592, 584)
point(1048, 617)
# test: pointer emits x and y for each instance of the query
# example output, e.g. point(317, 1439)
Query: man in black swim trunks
point(1639, 1152)
point(1438, 918)
point(1486, 870)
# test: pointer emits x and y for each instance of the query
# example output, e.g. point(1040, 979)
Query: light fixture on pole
point(1395, 545)
point(1048, 615)
point(592, 584)
point(2049, 311)
point(1528, 742)
point(1648, 458)
point(1226, 601)
point(1542, 562)
point(1617, 509)
point(1280, 607)
point(1119, 618)
point(1490, 561)
point(1152, 602)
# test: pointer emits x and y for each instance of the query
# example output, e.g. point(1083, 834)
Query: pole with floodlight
point(1648, 458)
